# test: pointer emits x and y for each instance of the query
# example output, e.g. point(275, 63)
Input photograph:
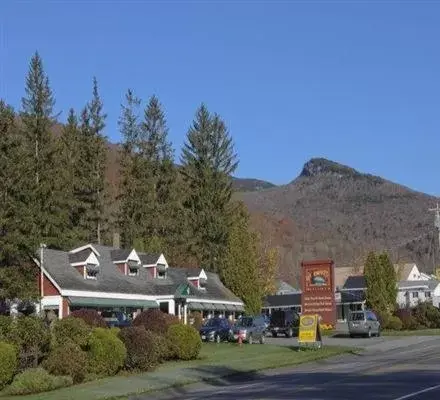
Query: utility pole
point(437, 227)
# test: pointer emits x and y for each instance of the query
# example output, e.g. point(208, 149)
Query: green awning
point(208, 306)
point(230, 307)
point(220, 306)
point(98, 302)
point(239, 308)
point(195, 306)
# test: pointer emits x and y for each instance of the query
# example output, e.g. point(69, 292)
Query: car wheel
point(250, 340)
point(289, 333)
point(274, 334)
point(378, 332)
point(351, 335)
point(369, 335)
point(217, 339)
point(262, 339)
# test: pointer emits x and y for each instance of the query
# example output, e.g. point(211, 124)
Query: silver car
point(363, 323)
point(251, 329)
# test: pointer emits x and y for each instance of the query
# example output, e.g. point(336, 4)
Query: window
point(161, 274)
point(428, 294)
point(415, 295)
point(133, 271)
point(91, 274)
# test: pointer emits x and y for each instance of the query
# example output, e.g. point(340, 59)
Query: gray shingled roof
point(110, 279)
point(283, 300)
point(148, 259)
point(355, 282)
point(119, 254)
point(81, 256)
point(430, 284)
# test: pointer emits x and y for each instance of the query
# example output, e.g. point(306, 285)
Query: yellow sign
point(309, 329)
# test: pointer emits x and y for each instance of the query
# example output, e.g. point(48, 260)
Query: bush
point(67, 360)
point(37, 380)
point(383, 317)
point(408, 321)
point(91, 317)
point(8, 363)
point(70, 330)
point(153, 320)
point(5, 327)
point(197, 319)
point(32, 338)
point(427, 315)
point(394, 323)
point(143, 349)
point(106, 353)
point(185, 342)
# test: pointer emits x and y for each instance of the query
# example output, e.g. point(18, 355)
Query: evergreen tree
point(49, 212)
point(159, 177)
point(130, 201)
point(208, 161)
point(239, 269)
point(17, 234)
point(99, 150)
point(389, 279)
point(376, 292)
point(69, 167)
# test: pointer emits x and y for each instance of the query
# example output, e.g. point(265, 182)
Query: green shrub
point(37, 380)
point(8, 363)
point(67, 360)
point(426, 315)
point(408, 321)
point(153, 320)
point(383, 317)
point(106, 352)
point(143, 348)
point(31, 337)
point(185, 341)
point(70, 329)
point(91, 317)
point(5, 327)
point(394, 323)
point(115, 330)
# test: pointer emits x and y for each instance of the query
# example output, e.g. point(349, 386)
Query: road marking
point(413, 394)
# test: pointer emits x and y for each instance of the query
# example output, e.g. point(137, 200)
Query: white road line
point(414, 394)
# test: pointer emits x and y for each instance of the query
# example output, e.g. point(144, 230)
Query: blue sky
point(356, 82)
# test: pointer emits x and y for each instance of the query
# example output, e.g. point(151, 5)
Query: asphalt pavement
point(387, 369)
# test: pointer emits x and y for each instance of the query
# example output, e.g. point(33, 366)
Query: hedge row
point(423, 316)
point(78, 348)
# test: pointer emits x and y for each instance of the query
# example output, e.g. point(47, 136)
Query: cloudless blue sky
point(357, 82)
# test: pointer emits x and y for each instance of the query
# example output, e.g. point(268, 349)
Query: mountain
point(332, 210)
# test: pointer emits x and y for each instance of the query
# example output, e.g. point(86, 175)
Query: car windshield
point(357, 316)
point(212, 322)
point(245, 322)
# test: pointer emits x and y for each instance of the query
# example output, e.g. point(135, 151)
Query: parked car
point(363, 323)
point(116, 319)
point(215, 330)
point(251, 329)
point(285, 322)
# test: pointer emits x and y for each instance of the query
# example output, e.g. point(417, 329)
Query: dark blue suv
point(215, 330)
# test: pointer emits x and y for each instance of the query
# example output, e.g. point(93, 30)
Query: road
point(402, 369)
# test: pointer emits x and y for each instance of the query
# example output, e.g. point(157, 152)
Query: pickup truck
point(116, 319)
point(285, 322)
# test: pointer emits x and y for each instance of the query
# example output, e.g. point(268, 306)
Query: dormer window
point(161, 271)
point(91, 271)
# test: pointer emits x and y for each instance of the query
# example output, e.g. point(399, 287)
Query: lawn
point(216, 361)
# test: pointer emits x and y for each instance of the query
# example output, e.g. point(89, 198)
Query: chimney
point(116, 240)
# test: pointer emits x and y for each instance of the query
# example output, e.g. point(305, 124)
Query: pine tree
point(239, 268)
point(389, 279)
point(98, 143)
point(69, 166)
point(17, 234)
point(208, 161)
point(159, 175)
point(130, 202)
point(376, 293)
point(47, 206)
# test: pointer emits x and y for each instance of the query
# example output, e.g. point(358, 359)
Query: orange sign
point(318, 289)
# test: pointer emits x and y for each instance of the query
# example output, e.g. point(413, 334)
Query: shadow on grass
point(305, 385)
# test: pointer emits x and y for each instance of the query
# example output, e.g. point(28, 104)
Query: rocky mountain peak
point(322, 166)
